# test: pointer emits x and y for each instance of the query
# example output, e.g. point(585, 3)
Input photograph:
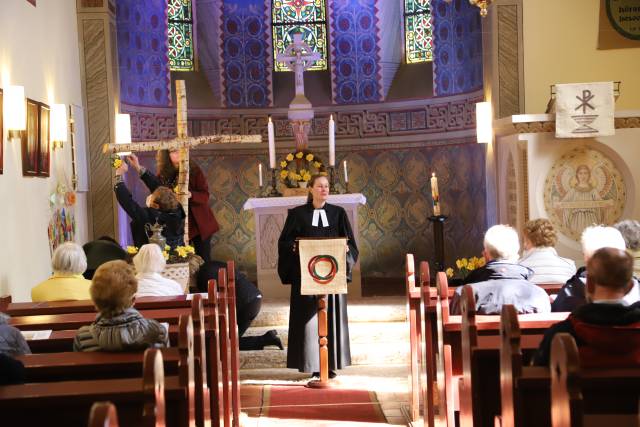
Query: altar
point(270, 214)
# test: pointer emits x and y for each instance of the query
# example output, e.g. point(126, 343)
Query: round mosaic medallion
point(583, 188)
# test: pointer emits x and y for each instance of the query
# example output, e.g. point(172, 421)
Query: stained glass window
point(418, 31)
point(181, 43)
point(308, 17)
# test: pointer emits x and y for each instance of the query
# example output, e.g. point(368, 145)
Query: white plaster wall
point(38, 50)
point(544, 149)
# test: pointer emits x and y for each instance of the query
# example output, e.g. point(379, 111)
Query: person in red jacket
point(202, 222)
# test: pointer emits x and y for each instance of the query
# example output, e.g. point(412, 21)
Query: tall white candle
point(332, 141)
point(435, 195)
point(272, 145)
point(260, 174)
point(344, 165)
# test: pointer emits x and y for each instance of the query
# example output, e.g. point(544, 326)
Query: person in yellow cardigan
point(66, 283)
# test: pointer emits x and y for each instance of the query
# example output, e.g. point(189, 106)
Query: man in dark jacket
point(606, 329)
point(502, 281)
point(162, 207)
point(573, 295)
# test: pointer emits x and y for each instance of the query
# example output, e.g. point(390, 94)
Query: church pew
point(427, 374)
point(141, 401)
point(526, 390)
point(225, 350)
point(413, 315)
point(234, 342)
point(104, 414)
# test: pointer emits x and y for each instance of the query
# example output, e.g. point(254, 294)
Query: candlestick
point(274, 191)
point(332, 141)
point(435, 195)
point(260, 174)
point(272, 144)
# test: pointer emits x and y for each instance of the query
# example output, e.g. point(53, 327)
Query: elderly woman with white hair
point(503, 281)
point(149, 263)
point(573, 295)
point(630, 230)
point(66, 283)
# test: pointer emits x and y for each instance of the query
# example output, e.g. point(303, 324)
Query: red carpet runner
point(335, 404)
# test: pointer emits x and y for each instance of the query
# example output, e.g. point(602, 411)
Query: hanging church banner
point(619, 24)
point(584, 110)
point(323, 266)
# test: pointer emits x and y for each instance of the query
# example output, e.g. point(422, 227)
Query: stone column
point(100, 91)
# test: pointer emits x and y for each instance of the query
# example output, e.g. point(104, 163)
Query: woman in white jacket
point(149, 263)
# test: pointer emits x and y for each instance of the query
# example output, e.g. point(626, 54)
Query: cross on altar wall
point(182, 143)
point(298, 57)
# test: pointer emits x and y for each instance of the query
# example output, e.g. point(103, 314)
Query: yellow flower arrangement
point(297, 167)
point(116, 162)
point(132, 250)
point(466, 266)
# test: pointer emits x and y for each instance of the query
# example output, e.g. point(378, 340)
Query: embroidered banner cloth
point(323, 266)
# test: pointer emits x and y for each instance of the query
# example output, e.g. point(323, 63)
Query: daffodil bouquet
point(298, 167)
point(179, 254)
point(465, 266)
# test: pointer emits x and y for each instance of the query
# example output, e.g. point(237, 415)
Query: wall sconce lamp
point(484, 122)
point(123, 131)
point(15, 111)
point(59, 125)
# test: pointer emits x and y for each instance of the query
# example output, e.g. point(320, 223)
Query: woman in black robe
point(316, 218)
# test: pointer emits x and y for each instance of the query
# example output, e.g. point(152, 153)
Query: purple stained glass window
point(180, 31)
point(308, 17)
point(418, 31)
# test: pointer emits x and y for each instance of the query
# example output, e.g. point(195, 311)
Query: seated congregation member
point(539, 255)
point(248, 304)
point(149, 263)
point(607, 324)
point(66, 283)
point(118, 326)
point(11, 371)
point(630, 231)
point(162, 207)
point(100, 251)
point(572, 295)
point(12, 343)
point(506, 282)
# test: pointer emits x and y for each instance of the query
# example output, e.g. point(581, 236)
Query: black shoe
point(333, 374)
point(315, 375)
point(271, 338)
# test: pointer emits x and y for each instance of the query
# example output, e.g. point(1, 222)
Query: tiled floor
point(389, 382)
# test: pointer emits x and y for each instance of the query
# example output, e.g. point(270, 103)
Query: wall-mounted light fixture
point(14, 111)
point(123, 131)
point(484, 122)
point(59, 125)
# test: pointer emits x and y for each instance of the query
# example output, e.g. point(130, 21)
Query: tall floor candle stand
point(274, 190)
point(438, 239)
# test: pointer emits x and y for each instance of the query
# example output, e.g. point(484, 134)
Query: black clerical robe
point(303, 348)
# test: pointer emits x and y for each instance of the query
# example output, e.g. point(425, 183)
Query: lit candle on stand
point(344, 165)
point(435, 194)
point(272, 145)
point(260, 174)
point(332, 141)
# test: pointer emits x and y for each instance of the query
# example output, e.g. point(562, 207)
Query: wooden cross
point(182, 142)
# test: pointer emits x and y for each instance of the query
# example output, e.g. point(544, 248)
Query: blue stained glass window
point(180, 31)
point(418, 31)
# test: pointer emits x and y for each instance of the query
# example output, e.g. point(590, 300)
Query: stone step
point(359, 333)
point(361, 354)
point(275, 312)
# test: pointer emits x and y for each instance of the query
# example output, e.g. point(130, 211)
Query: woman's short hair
point(541, 233)
point(165, 198)
point(501, 243)
point(599, 236)
point(630, 230)
point(149, 259)
point(113, 286)
point(69, 258)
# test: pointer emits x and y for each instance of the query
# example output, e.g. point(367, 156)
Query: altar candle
point(260, 174)
point(272, 145)
point(435, 194)
point(344, 165)
point(332, 141)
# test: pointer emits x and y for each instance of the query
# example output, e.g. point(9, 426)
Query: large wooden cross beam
point(183, 142)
